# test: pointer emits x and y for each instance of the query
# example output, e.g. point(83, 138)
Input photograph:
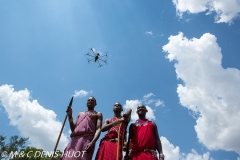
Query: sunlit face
point(141, 109)
point(91, 102)
point(117, 107)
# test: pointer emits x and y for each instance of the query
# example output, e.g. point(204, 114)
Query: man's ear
point(146, 110)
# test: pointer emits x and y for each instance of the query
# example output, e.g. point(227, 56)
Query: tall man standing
point(111, 145)
point(85, 132)
point(143, 140)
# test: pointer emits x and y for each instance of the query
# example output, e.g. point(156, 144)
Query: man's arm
point(126, 118)
point(98, 131)
point(106, 126)
point(159, 144)
point(129, 141)
point(98, 127)
point(70, 118)
point(72, 125)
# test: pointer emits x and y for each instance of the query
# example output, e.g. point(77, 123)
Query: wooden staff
point(59, 136)
point(119, 130)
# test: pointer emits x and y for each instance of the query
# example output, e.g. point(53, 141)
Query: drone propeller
point(103, 60)
point(88, 54)
point(90, 60)
point(92, 49)
point(105, 55)
point(99, 64)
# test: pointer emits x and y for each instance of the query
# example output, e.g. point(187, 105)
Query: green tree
point(15, 150)
point(16, 143)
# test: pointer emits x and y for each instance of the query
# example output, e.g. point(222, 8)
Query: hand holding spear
point(69, 113)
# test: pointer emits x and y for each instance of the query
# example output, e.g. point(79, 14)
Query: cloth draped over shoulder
point(143, 143)
point(80, 137)
point(110, 147)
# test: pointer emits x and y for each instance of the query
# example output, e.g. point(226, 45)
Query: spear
point(59, 136)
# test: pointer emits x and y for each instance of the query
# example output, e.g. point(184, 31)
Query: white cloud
point(148, 95)
point(31, 119)
point(208, 89)
point(172, 152)
point(195, 156)
point(132, 104)
point(80, 93)
point(149, 32)
point(159, 103)
point(146, 99)
point(226, 10)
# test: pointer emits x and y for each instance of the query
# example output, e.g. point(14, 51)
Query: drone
point(97, 57)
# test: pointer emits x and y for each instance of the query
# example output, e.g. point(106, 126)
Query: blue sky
point(180, 58)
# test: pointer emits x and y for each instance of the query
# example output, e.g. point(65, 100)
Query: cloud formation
point(172, 152)
point(32, 119)
point(149, 33)
point(147, 100)
point(226, 11)
point(133, 104)
point(80, 93)
point(208, 90)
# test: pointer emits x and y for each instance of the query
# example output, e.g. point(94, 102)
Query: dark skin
point(141, 111)
point(117, 109)
point(96, 119)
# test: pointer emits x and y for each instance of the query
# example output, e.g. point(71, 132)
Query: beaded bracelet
point(162, 156)
point(115, 122)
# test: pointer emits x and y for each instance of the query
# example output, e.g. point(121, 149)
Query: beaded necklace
point(141, 122)
point(116, 127)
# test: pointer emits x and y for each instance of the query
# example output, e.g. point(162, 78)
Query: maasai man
point(111, 145)
point(143, 139)
point(85, 132)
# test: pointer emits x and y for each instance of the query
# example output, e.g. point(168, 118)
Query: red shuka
point(108, 146)
point(143, 138)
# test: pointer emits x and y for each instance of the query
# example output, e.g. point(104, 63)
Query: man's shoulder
point(80, 113)
point(99, 113)
point(153, 124)
point(133, 124)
